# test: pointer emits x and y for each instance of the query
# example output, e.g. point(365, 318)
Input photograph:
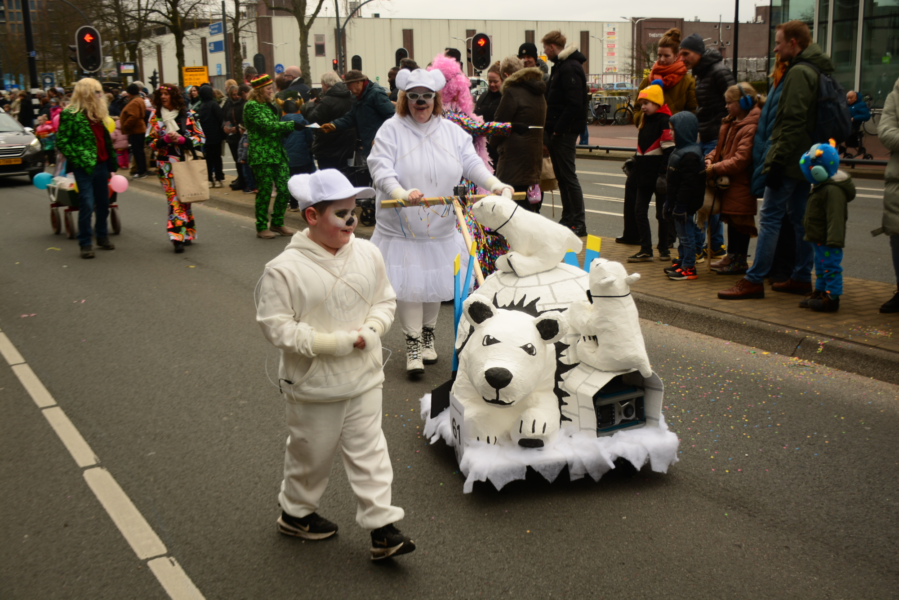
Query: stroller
point(855, 141)
point(63, 195)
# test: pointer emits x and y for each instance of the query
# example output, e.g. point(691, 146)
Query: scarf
point(670, 75)
point(169, 120)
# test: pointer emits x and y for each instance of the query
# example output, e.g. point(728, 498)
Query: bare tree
point(176, 16)
point(299, 9)
point(239, 24)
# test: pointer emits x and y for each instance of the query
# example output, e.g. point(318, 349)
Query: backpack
point(833, 120)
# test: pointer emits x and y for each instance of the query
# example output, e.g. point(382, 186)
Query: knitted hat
point(261, 81)
point(653, 93)
point(693, 43)
point(353, 76)
point(820, 163)
point(528, 49)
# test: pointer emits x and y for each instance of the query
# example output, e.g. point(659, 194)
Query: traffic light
point(73, 53)
point(356, 62)
point(154, 79)
point(480, 51)
point(90, 53)
point(401, 53)
point(334, 64)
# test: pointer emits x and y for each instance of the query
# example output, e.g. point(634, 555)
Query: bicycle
point(625, 114)
point(601, 112)
point(870, 126)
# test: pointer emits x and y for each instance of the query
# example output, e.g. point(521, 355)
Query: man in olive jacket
point(786, 190)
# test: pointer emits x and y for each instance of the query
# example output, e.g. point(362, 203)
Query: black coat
point(487, 104)
point(331, 105)
point(233, 112)
point(211, 117)
point(712, 79)
point(566, 108)
point(299, 86)
point(522, 101)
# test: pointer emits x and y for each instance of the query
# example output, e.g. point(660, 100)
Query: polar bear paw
point(536, 428)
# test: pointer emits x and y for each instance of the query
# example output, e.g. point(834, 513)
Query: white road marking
point(71, 438)
point(174, 579)
point(600, 212)
point(869, 189)
point(132, 525)
point(603, 198)
point(9, 351)
point(869, 196)
point(614, 185)
point(604, 174)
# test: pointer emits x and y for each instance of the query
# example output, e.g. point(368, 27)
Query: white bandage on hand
point(498, 188)
point(339, 343)
point(371, 338)
point(402, 194)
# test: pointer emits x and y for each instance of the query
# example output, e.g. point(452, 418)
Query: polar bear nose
point(498, 377)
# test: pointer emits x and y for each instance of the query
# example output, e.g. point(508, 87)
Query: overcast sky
point(564, 10)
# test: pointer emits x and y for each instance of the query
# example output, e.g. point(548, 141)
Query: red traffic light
point(481, 42)
point(88, 38)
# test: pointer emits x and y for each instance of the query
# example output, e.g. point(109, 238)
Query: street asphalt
point(786, 485)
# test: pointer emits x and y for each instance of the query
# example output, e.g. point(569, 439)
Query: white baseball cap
point(323, 185)
point(432, 80)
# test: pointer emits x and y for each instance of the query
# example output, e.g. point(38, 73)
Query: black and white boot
point(310, 527)
point(414, 364)
point(387, 541)
point(428, 351)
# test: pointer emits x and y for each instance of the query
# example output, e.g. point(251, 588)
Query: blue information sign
point(279, 68)
point(218, 46)
point(215, 28)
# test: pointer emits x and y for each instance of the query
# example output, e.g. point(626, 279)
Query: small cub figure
point(506, 375)
point(608, 323)
point(537, 244)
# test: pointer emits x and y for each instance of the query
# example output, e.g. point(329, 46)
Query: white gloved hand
point(498, 188)
point(371, 338)
point(339, 343)
point(401, 193)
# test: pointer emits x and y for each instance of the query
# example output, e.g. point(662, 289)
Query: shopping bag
point(190, 182)
point(548, 181)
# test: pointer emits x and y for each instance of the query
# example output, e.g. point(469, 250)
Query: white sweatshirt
point(311, 302)
point(432, 158)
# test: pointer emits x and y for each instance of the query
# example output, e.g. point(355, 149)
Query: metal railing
point(845, 161)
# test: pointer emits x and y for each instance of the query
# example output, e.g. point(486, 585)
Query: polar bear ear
point(552, 327)
point(478, 309)
point(632, 278)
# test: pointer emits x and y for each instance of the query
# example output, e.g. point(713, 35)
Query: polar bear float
point(608, 323)
point(537, 244)
point(507, 374)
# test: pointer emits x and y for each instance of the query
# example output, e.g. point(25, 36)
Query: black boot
point(179, 247)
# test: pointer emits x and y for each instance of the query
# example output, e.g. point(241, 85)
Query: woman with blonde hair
point(84, 139)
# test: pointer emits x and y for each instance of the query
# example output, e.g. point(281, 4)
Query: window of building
point(880, 50)
point(320, 44)
point(844, 46)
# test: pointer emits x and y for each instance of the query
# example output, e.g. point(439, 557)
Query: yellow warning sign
point(195, 75)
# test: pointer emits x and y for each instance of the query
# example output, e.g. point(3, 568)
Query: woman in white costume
point(419, 154)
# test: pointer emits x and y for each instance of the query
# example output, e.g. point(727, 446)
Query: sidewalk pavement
point(857, 338)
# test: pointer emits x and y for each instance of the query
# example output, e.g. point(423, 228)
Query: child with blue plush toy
point(825, 223)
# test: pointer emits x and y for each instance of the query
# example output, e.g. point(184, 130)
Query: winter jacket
point(298, 144)
point(685, 172)
point(367, 115)
point(654, 145)
point(266, 133)
point(330, 106)
point(75, 139)
point(566, 99)
point(544, 69)
point(305, 296)
point(117, 106)
point(243, 148)
point(232, 112)
point(888, 133)
point(486, 105)
point(132, 117)
point(211, 117)
point(119, 139)
point(188, 128)
point(521, 156)
point(762, 142)
point(795, 120)
point(733, 157)
point(296, 88)
point(859, 112)
point(712, 80)
point(679, 97)
point(826, 211)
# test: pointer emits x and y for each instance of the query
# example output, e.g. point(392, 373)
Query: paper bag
point(191, 183)
point(548, 181)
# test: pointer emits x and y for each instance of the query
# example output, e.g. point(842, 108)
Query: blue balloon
point(42, 180)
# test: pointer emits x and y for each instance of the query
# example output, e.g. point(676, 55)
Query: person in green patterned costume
point(267, 157)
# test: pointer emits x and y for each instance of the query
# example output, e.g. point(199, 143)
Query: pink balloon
point(56, 121)
point(118, 184)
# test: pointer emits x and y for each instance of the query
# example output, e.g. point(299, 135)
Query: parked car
point(20, 149)
point(478, 87)
point(621, 86)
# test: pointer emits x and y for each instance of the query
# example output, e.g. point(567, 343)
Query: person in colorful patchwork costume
point(267, 158)
point(174, 131)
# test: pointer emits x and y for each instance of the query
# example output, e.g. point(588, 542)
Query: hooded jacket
point(888, 133)
point(762, 142)
point(333, 104)
point(733, 157)
point(211, 116)
point(521, 156)
point(367, 115)
point(681, 96)
point(566, 96)
point(686, 170)
point(796, 111)
point(712, 80)
point(298, 144)
point(826, 211)
point(654, 145)
point(307, 293)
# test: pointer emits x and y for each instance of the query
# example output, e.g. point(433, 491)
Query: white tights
point(413, 315)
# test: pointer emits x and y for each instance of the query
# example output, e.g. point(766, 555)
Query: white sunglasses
point(415, 96)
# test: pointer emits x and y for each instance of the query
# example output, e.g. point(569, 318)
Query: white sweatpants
point(412, 315)
point(317, 432)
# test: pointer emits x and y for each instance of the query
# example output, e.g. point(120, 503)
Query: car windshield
point(9, 125)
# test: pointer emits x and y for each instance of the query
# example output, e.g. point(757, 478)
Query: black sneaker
point(640, 257)
point(675, 266)
point(826, 303)
point(664, 255)
point(87, 252)
point(579, 231)
point(388, 541)
point(891, 306)
point(628, 241)
point(310, 527)
point(812, 295)
point(105, 244)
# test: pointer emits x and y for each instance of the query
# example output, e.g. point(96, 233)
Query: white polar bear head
point(510, 352)
point(609, 278)
point(528, 234)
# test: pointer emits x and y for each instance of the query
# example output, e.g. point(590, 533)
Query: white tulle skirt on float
point(421, 269)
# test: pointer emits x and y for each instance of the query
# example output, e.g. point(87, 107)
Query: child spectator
point(120, 143)
point(324, 303)
point(654, 145)
point(686, 192)
point(298, 145)
point(825, 223)
point(47, 134)
point(243, 151)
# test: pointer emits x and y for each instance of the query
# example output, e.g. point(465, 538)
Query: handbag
point(190, 180)
point(548, 181)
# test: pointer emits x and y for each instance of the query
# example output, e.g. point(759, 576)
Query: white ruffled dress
point(420, 244)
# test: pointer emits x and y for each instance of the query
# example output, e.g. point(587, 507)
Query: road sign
point(218, 69)
point(127, 68)
point(217, 46)
point(48, 80)
point(215, 28)
point(195, 75)
point(279, 68)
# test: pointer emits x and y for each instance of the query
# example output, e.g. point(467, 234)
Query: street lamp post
point(634, 43)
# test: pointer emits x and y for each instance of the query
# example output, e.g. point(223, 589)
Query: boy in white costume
point(324, 302)
point(419, 154)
